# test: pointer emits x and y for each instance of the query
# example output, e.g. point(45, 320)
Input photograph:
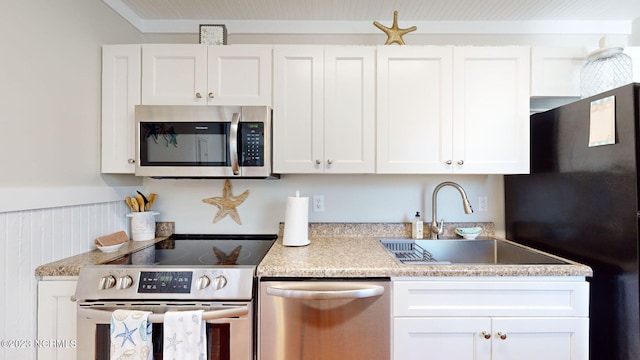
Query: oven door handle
point(207, 315)
point(325, 291)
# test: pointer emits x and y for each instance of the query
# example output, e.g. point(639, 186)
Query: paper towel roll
point(296, 222)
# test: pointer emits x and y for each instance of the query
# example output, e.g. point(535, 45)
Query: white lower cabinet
point(491, 319)
point(57, 319)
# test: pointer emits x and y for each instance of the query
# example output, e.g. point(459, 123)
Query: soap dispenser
point(417, 227)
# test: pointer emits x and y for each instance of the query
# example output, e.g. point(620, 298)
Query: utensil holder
point(143, 225)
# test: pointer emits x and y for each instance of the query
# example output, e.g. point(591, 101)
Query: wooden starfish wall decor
point(394, 33)
point(227, 203)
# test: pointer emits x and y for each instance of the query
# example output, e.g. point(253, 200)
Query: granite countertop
point(341, 251)
point(71, 266)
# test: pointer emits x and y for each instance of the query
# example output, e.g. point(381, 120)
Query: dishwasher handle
point(326, 291)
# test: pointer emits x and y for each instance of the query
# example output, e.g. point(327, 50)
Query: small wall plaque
point(213, 34)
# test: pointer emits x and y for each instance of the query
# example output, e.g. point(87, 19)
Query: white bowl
point(469, 233)
point(111, 248)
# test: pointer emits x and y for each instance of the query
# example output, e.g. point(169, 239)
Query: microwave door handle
point(159, 318)
point(233, 143)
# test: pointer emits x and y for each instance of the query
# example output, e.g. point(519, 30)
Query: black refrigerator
point(581, 202)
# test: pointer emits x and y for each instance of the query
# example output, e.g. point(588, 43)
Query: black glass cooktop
point(191, 250)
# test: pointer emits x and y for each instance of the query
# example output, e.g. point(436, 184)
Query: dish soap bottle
point(417, 227)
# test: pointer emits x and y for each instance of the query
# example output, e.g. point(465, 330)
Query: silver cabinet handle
point(329, 291)
point(210, 95)
point(131, 161)
point(329, 161)
point(318, 162)
point(233, 143)
point(198, 95)
point(502, 336)
point(486, 335)
point(460, 162)
point(448, 162)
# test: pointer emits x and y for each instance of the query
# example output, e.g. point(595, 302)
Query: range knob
point(202, 282)
point(220, 282)
point(125, 282)
point(107, 282)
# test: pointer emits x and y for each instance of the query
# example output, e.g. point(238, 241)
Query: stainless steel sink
point(485, 251)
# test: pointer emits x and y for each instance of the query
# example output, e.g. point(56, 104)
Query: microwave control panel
point(252, 144)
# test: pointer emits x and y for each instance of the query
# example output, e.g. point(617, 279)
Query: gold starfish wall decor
point(394, 33)
point(227, 203)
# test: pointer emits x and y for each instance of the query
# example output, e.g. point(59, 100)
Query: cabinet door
point(540, 338)
point(555, 71)
point(491, 113)
point(349, 109)
point(57, 318)
point(120, 95)
point(442, 338)
point(239, 75)
point(174, 74)
point(414, 122)
point(298, 109)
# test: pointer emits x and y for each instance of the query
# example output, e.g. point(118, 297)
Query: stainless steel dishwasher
point(324, 319)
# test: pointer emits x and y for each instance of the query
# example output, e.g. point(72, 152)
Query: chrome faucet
point(436, 229)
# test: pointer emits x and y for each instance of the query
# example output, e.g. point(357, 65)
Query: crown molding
point(366, 27)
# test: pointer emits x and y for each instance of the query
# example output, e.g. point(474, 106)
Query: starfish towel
point(184, 335)
point(131, 335)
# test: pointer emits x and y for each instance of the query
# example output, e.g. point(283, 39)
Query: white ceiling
point(181, 15)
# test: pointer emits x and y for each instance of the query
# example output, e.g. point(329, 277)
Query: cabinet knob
point(460, 162)
point(210, 95)
point(329, 161)
point(448, 162)
point(486, 335)
point(318, 162)
point(131, 161)
point(502, 336)
point(198, 95)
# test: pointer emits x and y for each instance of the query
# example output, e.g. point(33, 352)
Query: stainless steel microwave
point(203, 141)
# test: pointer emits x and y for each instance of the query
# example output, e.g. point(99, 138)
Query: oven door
point(228, 327)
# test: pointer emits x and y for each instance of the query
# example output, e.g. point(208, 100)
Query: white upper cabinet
point(415, 103)
point(324, 109)
point(186, 74)
point(555, 71)
point(491, 110)
point(445, 110)
point(239, 75)
point(120, 95)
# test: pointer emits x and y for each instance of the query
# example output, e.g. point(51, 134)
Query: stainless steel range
point(215, 273)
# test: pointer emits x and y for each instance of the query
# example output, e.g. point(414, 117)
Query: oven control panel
point(165, 282)
point(100, 282)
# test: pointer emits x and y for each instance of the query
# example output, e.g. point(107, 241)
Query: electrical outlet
point(318, 203)
point(483, 203)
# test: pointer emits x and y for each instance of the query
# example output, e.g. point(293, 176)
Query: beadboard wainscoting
point(31, 238)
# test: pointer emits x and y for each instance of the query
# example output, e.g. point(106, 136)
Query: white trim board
point(28, 198)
